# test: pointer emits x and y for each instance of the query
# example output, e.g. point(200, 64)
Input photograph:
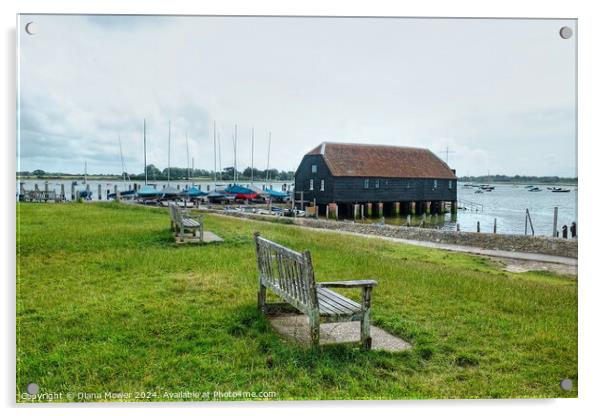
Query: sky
point(498, 93)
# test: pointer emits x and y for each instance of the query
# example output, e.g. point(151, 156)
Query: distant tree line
point(517, 179)
point(175, 173)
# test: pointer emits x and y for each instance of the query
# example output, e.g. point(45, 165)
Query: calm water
point(506, 203)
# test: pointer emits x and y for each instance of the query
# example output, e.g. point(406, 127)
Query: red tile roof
point(369, 160)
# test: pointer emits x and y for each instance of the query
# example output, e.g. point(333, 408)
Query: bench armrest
point(348, 283)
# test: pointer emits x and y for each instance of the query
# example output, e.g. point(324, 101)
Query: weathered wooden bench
point(182, 221)
point(290, 275)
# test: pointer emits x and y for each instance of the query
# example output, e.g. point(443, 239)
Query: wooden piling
point(397, 208)
point(356, 209)
point(336, 210)
point(72, 191)
point(369, 209)
point(62, 192)
point(555, 223)
point(362, 211)
point(409, 220)
point(413, 208)
point(478, 227)
point(457, 227)
point(380, 210)
point(45, 191)
point(454, 207)
point(327, 213)
point(99, 192)
point(428, 207)
point(495, 226)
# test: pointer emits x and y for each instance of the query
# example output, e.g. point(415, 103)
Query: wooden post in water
point(62, 192)
point(72, 191)
point(478, 227)
point(495, 226)
point(457, 227)
point(555, 223)
point(99, 192)
point(454, 207)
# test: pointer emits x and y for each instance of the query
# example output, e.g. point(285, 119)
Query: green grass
point(107, 302)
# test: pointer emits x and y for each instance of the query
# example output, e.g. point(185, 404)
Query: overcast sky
point(499, 93)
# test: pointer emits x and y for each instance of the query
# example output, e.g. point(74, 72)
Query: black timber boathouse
point(375, 180)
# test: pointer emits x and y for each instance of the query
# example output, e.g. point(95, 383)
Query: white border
point(590, 111)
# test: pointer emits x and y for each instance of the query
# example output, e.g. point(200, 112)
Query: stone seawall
point(518, 243)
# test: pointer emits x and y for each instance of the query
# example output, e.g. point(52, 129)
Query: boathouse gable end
point(355, 173)
point(308, 178)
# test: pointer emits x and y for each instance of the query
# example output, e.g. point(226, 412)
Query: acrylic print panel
point(146, 144)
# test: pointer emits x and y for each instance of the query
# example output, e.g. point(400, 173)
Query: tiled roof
point(368, 160)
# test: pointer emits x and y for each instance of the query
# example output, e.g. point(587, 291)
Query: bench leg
point(365, 331)
point(314, 329)
point(365, 322)
point(261, 298)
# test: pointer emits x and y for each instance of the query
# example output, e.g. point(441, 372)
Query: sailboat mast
point(122, 162)
point(214, 158)
point(145, 169)
point(235, 143)
point(169, 153)
point(267, 172)
point(187, 160)
point(252, 151)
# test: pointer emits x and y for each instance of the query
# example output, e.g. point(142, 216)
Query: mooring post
point(555, 222)
point(62, 192)
point(99, 192)
point(457, 227)
point(72, 191)
point(478, 227)
point(494, 225)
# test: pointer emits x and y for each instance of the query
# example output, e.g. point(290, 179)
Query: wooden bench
point(290, 275)
point(182, 221)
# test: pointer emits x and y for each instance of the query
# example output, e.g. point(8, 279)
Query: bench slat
point(337, 302)
point(188, 222)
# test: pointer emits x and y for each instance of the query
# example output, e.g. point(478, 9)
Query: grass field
point(107, 303)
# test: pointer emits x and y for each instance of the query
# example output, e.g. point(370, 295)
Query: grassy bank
point(107, 303)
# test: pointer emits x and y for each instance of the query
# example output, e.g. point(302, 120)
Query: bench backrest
point(286, 272)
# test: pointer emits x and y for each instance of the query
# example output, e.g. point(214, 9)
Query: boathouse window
point(449, 184)
point(321, 184)
point(311, 184)
point(314, 168)
point(366, 183)
point(435, 184)
point(377, 184)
